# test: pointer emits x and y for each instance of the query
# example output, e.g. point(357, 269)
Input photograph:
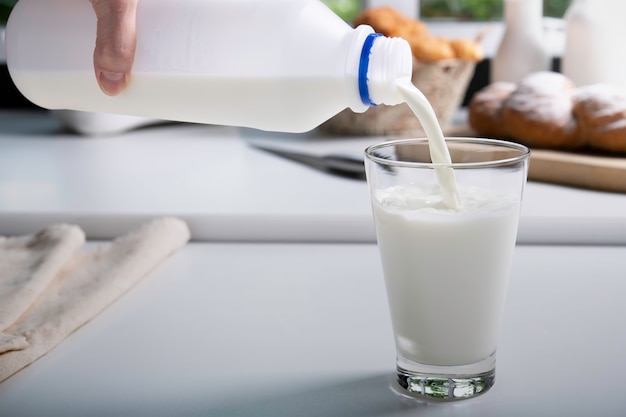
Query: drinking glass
point(446, 268)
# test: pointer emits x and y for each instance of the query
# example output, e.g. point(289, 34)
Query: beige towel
point(29, 263)
point(84, 283)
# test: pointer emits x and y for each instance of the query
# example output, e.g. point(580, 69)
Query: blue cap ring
point(364, 64)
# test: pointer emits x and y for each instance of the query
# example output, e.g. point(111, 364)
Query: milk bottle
point(283, 65)
point(594, 52)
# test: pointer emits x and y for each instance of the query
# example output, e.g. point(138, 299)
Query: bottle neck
point(382, 62)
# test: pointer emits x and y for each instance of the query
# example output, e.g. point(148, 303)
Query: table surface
point(228, 190)
point(278, 307)
point(224, 329)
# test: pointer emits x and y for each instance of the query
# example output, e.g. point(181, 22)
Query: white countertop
point(229, 191)
point(303, 330)
point(238, 327)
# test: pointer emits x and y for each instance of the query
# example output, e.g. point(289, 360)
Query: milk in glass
point(446, 253)
point(445, 270)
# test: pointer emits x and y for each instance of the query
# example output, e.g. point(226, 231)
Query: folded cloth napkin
point(27, 266)
point(51, 283)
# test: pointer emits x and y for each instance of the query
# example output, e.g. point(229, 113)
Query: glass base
point(443, 388)
point(445, 382)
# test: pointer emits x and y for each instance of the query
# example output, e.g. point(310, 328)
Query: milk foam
point(428, 199)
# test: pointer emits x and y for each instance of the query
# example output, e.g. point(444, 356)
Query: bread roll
point(390, 22)
point(425, 47)
point(539, 112)
point(546, 110)
point(485, 109)
point(601, 113)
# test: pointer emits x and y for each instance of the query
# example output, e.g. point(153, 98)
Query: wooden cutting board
point(575, 169)
point(596, 172)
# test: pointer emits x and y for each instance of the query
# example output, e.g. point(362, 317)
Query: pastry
point(601, 114)
point(546, 110)
point(539, 112)
point(425, 47)
point(466, 49)
point(485, 109)
point(430, 49)
point(390, 22)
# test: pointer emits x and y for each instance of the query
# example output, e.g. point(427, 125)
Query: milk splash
point(439, 152)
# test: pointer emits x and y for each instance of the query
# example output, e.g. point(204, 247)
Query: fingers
point(115, 43)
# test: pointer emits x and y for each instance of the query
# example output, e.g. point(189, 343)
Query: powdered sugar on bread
point(543, 97)
point(547, 110)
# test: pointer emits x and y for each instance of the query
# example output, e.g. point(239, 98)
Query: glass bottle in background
point(594, 51)
point(522, 49)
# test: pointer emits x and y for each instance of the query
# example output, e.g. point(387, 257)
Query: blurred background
point(451, 9)
point(428, 9)
point(443, 15)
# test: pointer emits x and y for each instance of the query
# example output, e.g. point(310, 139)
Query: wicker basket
point(444, 84)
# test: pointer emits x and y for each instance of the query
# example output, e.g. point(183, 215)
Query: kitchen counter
point(229, 191)
point(278, 308)
point(252, 329)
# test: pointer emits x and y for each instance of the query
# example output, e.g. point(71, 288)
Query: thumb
point(115, 43)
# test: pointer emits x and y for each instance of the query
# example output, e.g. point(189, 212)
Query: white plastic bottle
point(594, 51)
point(522, 49)
point(280, 65)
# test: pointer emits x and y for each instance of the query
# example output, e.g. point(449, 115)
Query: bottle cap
point(383, 62)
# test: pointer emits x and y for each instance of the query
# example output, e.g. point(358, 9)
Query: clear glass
point(446, 270)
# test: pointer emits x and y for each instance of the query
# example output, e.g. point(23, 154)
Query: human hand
point(115, 43)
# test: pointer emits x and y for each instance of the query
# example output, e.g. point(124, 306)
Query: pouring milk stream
point(445, 261)
point(439, 152)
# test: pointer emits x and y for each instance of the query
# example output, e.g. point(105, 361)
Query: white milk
point(438, 149)
point(446, 270)
point(198, 98)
